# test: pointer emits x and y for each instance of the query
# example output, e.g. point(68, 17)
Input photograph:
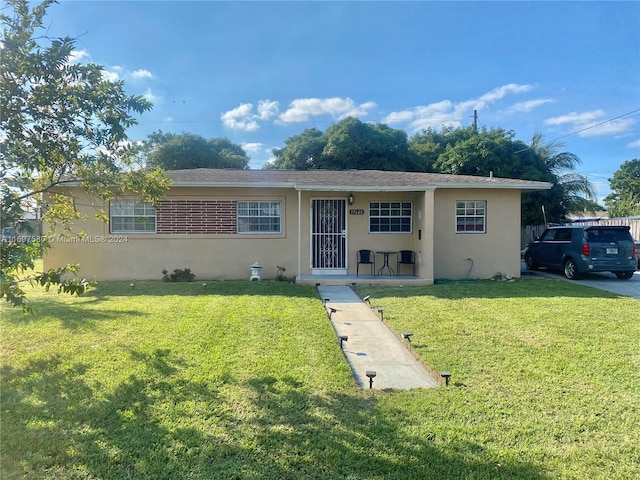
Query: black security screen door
point(328, 234)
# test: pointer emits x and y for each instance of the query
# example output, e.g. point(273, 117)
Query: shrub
point(178, 275)
point(280, 275)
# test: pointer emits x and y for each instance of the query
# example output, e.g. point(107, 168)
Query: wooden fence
point(529, 232)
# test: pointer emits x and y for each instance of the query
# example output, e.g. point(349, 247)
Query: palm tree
point(577, 190)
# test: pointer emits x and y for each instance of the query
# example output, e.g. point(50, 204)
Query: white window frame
point(470, 212)
point(390, 210)
point(259, 213)
point(132, 209)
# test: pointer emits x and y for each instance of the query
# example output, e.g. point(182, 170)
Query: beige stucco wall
point(106, 256)
point(441, 253)
point(497, 250)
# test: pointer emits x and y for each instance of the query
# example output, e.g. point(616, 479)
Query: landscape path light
point(370, 374)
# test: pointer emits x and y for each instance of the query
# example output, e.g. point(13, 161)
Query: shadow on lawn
point(156, 424)
point(71, 316)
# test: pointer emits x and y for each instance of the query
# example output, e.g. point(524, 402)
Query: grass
point(244, 380)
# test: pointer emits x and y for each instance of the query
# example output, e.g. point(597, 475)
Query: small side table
point(385, 263)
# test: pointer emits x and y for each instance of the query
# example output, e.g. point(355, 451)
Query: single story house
point(312, 223)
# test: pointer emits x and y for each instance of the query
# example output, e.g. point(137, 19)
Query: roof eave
point(183, 183)
point(363, 188)
point(510, 186)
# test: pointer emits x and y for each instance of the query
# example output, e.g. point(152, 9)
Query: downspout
point(299, 232)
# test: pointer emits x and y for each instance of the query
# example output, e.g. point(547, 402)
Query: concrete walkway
point(371, 345)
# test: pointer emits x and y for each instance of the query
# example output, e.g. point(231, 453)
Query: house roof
point(342, 180)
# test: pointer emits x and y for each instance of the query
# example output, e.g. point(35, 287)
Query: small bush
point(280, 275)
point(178, 275)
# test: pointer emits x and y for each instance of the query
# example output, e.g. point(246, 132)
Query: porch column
point(428, 234)
point(299, 232)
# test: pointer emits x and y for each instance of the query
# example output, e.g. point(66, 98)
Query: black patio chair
point(406, 257)
point(366, 257)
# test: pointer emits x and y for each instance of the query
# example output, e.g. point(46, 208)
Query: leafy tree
point(61, 122)
point(352, 144)
point(301, 152)
point(465, 151)
point(624, 200)
point(347, 144)
point(169, 151)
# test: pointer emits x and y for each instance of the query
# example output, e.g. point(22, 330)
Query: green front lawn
point(244, 380)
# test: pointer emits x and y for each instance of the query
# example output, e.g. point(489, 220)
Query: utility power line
point(587, 128)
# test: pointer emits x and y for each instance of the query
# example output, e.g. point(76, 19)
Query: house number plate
point(356, 211)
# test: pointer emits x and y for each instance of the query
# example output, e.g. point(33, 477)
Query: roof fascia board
point(368, 188)
point(233, 184)
point(516, 186)
point(363, 188)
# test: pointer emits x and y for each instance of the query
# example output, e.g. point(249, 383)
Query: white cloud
point(399, 117)
point(634, 144)
point(77, 56)
point(524, 107)
point(142, 73)
point(149, 95)
point(255, 147)
point(267, 109)
point(591, 124)
point(302, 109)
point(112, 75)
point(451, 113)
point(243, 117)
point(575, 118)
point(501, 92)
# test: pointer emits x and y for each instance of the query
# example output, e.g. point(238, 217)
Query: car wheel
point(571, 269)
point(624, 275)
point(530, 263)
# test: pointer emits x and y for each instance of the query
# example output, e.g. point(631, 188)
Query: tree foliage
point(61, 123)
point(169, 151)
point(352, 144)
point(624, 200)
point(465, 151)
point(347, 144)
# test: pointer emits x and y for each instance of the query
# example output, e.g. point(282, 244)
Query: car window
point(608, 235)
point(548, 235)
point(563, 235)
point(556, 235)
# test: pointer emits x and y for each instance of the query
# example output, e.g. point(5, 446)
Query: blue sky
point(260, 72)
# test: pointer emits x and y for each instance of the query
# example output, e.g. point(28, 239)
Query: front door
point(328, 236)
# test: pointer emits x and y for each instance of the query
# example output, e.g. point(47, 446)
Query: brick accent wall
point(196, 217)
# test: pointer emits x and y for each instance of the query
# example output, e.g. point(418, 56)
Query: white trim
point(328, 271)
